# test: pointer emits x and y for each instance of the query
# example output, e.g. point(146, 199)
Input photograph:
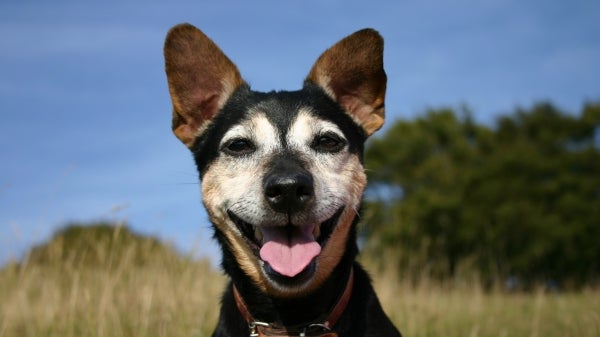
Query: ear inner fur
point(201, 79)
point(351, 72)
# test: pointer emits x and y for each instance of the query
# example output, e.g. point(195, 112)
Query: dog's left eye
point(328, 142)
point(238, 147)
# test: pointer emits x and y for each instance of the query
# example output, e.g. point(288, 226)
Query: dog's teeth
point(317, 231)
point(258, 234)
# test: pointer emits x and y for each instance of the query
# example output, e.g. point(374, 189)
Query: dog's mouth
point(288, 252)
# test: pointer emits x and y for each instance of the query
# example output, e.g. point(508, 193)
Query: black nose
point(289, 192)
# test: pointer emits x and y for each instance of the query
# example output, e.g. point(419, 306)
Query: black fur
point(364, 315)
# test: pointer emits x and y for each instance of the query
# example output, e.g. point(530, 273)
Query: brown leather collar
point(318, 329)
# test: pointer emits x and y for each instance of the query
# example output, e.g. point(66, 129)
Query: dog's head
point(282, 175)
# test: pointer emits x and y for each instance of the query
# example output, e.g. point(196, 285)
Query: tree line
point(516, 201)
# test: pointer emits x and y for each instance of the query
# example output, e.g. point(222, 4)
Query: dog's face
point(282, 180)
point(282, 175)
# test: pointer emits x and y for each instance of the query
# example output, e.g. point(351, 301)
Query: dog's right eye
point(238, 147)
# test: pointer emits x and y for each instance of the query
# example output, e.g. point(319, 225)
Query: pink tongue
point(289, 251)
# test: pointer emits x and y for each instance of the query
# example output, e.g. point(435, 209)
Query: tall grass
point(141, 291)
point(137, 290)
point(461, 309)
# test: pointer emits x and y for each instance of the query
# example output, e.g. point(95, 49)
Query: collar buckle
point(253, 327)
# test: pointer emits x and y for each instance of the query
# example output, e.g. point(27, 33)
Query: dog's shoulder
point(365, 307)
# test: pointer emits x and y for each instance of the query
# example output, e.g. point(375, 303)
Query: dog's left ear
point(351, 72)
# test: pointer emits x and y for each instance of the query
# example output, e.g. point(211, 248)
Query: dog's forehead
point(281, 109)
point(255, 125)
point(290, 110)
point(295, 117)
point(274, 118)
point(291, 123)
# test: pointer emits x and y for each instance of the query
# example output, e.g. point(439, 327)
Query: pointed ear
point(351, 72)
point(201, 79)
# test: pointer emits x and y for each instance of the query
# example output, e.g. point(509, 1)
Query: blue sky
point(85, 112)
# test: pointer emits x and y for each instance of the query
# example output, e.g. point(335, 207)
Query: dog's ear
point(351, 72)
point(201, 79)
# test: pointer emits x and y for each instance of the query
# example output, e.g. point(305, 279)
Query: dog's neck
point(295, 311)
point(298, 310)
point(321, 327)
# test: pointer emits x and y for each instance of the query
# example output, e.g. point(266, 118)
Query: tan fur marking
point(242, 253)
point(246, 260)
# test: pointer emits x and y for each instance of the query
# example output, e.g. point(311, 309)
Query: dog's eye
point(328, 142)
point(238, 147)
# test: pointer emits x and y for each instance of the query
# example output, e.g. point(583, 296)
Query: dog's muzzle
point(288, 250)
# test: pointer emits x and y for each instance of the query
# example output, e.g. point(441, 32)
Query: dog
point(282, 180)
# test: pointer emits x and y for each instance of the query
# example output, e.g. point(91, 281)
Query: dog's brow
point(240, 130)
point(257, 128)
point(307, 126)
point(263, 129)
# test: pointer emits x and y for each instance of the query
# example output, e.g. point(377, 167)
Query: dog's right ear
point(201, 79)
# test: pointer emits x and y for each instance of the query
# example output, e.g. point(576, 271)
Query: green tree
point(519, 199)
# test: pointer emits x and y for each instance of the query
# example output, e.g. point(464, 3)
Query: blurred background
point(482, 215)
point(488, 161)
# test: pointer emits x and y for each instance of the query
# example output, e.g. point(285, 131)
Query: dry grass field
point(145, 292)
point(465, 309)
